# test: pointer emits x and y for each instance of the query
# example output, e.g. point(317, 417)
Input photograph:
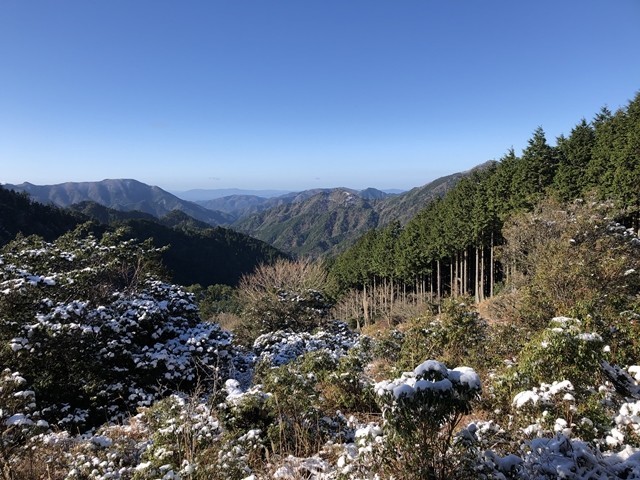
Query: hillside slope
point(324, 222)
point(197, 253)
point(19, 214)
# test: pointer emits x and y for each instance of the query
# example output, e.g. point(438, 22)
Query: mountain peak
point(120, 194)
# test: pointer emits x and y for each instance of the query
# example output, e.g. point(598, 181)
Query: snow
point(430, 378)
point(522, 398)
point(543, 394)
point(467, 377)
point(101, 441)
point(155, 332)
point(431, 366)
point(18, 419)
point(283, 346)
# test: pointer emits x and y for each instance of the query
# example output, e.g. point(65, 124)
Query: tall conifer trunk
point(477, 278)
point(491, 269)
point(439, 292)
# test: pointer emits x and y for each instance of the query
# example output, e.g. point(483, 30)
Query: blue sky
point(294, 94)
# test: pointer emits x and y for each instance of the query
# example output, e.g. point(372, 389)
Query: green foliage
point(456, 337)
point(300, 427)
point(345, 387)
point(571, 259)
point(216, 299)
point(422, 410)
point(565, 348)
point(623, 337)
point(570, 352)
point(576, 153)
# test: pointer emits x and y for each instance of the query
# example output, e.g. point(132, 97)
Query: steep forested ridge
point(18, 213)
point(211, 256)
point(321, 223)
point(449, 247)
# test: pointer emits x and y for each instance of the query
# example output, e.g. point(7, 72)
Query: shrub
point(421, 410)
point(285, 295)
point(571, 259)
point(455, 337)
point(300, 427)
point(140, 341)
point(18, 419)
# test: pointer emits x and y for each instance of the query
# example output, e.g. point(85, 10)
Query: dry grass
point(227, 321)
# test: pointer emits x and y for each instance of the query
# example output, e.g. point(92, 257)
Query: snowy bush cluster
point(109, 373)
point(281, 347)
point(97, 358)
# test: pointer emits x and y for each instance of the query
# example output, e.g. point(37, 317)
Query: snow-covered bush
point(421, 410)
point(93, 354)
point(300, 425)
point(18, 419)
point(282, 346)
point(566, 349)
point(550, 458)
point(184, 433)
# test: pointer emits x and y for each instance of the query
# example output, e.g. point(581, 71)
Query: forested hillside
point(197, 252)
point(321, 223)
point(314, 226)
point(449, 248)
point(18, 213)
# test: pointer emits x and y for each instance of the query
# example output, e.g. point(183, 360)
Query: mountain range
point(322, 223)
point(120, 194)
point(316, 222)
point(197, 253)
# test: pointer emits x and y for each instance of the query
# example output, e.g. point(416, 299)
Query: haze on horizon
point(294, 95)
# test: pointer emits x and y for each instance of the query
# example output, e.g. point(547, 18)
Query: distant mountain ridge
point(202, 194)
point(197, 253)
point(317, 222)
point(325, 222)
point(120, 194)
point(242, 206)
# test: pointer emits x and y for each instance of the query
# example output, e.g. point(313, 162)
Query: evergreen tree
point(599, 172)
point(575, 154)
point(535, 171)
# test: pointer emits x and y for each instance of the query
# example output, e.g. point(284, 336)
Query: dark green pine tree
point(626, 159)
point(575, 154)
point(535, 171)
point(599, 171)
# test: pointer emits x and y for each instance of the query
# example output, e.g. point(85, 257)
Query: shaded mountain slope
point(211, 256)
point(20, 214)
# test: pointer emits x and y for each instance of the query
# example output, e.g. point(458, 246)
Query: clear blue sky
point(296, 94)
